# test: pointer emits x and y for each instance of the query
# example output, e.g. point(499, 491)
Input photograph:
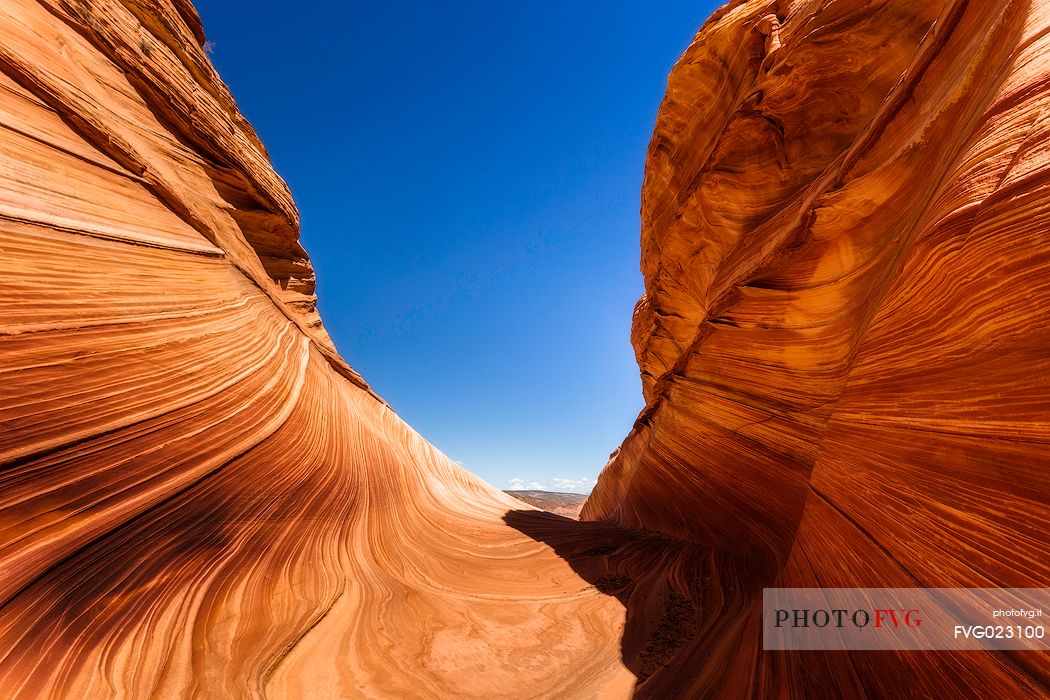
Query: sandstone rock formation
point(843, 347)
point(845, 335)
point(198, 497)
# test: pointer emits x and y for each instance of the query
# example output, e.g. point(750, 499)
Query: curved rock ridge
point(844, 339)
point(138, 101)
point(198, 496)
point(842, 344)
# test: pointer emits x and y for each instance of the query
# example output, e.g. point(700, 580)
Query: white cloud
point(572, 485)
point(522, 485)
point(555, 484)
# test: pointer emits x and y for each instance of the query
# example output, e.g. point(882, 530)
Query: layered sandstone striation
point(845, 335)
point(198, 496)
point(843, 346)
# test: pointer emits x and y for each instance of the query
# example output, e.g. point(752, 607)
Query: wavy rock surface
point(197, 495)
point(845, 334)
point(843, 347)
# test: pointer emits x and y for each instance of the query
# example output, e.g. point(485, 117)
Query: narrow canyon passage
point(842, 346)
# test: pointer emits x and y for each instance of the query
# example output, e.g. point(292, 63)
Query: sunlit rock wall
point(198, 496)
point(843, 344)
point(846, 249)
point(844, 339)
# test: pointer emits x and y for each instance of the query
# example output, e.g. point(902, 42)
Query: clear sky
point(468, 176)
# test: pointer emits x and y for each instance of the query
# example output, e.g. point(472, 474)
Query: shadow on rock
point(692, 613)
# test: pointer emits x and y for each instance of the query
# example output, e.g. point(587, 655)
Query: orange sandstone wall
point(844, 340)
point(198, 496)
point(843, 346)
point(846, 248)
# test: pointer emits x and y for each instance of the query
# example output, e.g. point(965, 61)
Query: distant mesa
point(567, 504)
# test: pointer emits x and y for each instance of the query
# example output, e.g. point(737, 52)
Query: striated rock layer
point(198, 497)
point(845, 335)
point(843, 346)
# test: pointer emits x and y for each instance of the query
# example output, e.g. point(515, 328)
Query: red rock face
point(198, 496)
point(845, 330)
point(843, 347)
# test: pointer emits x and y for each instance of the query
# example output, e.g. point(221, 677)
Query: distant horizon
point(469, 184)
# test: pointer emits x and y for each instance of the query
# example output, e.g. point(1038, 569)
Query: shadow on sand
point(692, 613)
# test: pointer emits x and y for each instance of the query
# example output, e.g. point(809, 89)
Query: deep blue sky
point(468, 175)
